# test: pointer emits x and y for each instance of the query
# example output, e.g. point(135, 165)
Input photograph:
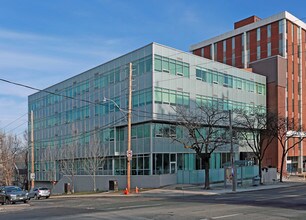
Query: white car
point(39, 192)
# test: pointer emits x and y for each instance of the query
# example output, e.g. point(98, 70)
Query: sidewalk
point(184, 190)
point(188, 189)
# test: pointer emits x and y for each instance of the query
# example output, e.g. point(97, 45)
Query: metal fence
point(215, 175)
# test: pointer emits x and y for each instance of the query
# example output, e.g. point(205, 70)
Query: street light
point(110, 100)
point(129, 122)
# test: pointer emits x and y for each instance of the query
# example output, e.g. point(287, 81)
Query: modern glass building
point(93, 105)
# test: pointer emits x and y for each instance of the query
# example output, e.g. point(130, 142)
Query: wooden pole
point(32, 151)
point(129, 152)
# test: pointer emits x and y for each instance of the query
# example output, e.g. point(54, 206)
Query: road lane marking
point(225, 216)
point(137, 206)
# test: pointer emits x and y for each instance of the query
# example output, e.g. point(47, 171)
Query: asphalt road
point(280, 203)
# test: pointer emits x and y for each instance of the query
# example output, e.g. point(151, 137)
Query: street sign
point(129, 154)
point(32, 176)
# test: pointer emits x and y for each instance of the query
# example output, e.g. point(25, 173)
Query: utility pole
point(232, 153)
point(129, 116)
point(32, 150)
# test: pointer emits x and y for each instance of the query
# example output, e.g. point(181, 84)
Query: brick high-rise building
point(275, 47)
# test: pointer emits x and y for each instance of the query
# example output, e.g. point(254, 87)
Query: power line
point(13, 121)
point(17, 126)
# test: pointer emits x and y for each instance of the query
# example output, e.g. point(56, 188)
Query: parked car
point(39, 192)
point(12, 194)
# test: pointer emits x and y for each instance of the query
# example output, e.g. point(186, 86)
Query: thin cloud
point(14, 35)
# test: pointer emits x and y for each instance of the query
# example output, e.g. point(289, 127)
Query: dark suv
point(12, 194)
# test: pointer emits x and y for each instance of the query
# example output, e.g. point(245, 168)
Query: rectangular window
point(280, 47)
point(230, 81)
point(172, 97)
point(149, 64)
point(280, 26)
point(179, 99)
point(117, 76)
point(209, 77)
point(148, 97)
point(251, 87)
point(165, 65)
point(179, 68)
point(141, 98)
point(172, 67)
point(224, 51)
point(269, 31)
point(158, 63)
point(158, 95)
point(141, 67)
point(225, 81)
point(215, 78)
point(215, 51)
point(269, 49)
point(198, 74)
point(259, 89)
point(248, 56)
point(186, 70)
point(233, 42)
point(165, 97)
point(258, 52)
point(238, 84)
point(258, 34)
point(248, 40)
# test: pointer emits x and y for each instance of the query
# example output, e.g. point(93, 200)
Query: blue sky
point(43, 42)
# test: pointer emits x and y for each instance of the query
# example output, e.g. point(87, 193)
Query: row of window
point(141, 66)
point(60, 118)
point(140, 165)
point(214, 77)
point(139, 98)
point(172, 97)
point(224, 104)
point(171, 66)
point(51, 99)
point(258, 38)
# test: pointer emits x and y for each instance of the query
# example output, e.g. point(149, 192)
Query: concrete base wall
point(84, 183)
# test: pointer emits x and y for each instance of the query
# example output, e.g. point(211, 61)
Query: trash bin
point(67, 188)
point(255, 181)
point(113, 185)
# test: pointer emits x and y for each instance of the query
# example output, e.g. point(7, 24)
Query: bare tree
point(203, 131)
point(69, 159)
point(94, 159)
point(288, 129)
point(25, 157)
point(9, 148)
point(255, 128)
point(52, 156)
